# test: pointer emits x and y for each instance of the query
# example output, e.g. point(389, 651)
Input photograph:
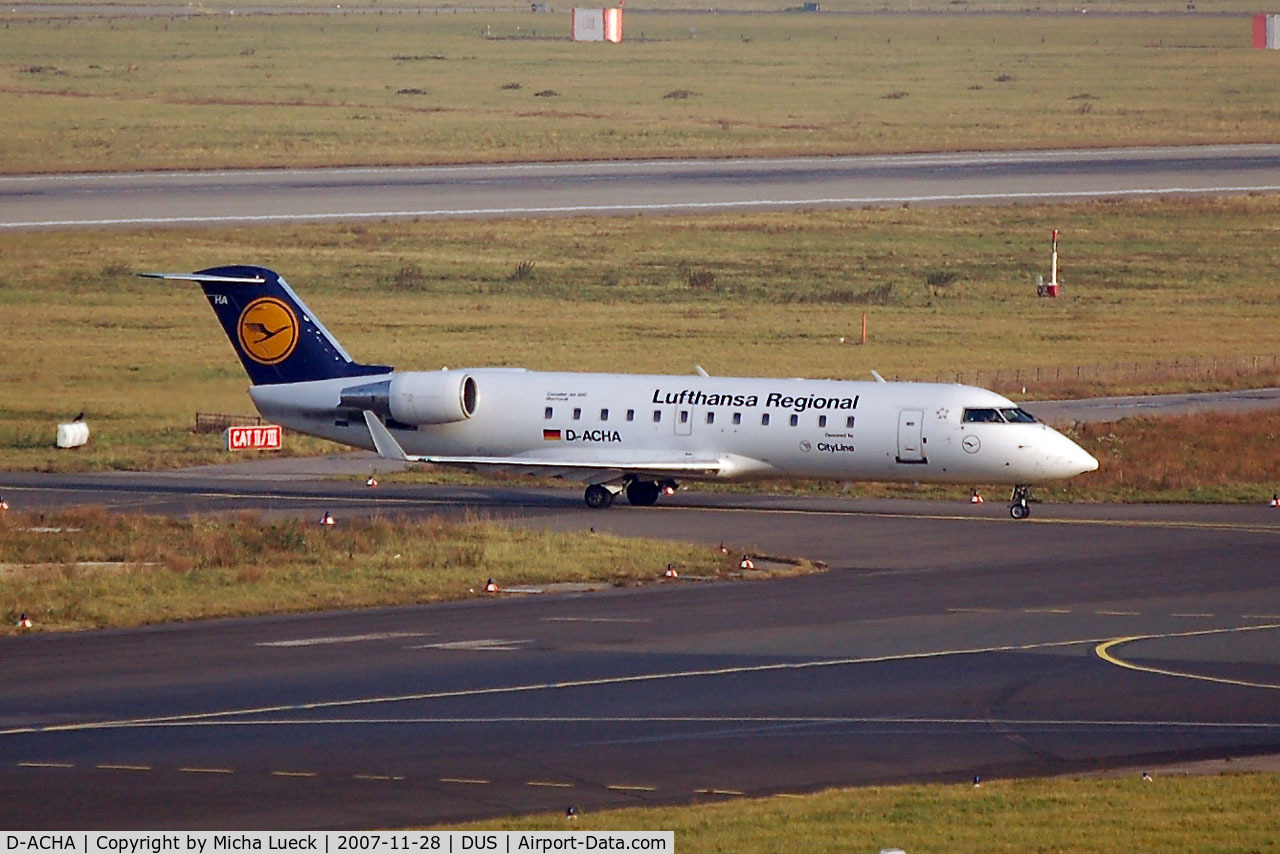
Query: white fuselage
point(753, 427)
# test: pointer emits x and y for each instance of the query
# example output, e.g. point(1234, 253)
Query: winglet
point(386, 444)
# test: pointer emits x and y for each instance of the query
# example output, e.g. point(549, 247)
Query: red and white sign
point(264, 437)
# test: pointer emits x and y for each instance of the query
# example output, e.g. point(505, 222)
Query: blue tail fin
point(273, 332)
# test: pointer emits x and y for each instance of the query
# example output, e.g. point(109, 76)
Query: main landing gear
point(1020, 503)
point(640, 493)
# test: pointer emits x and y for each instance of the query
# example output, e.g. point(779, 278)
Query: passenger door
point(911, 436)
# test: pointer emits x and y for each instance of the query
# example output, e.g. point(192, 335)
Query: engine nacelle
point(417, 397)
point(435, 397)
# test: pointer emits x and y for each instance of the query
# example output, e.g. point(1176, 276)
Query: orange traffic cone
point(372, 481)
point(490, 586)
point(671, 572)
point(24, 622)
point(1275, 501)
point(746, 563)
point(327, 520)
point(4, 505)
point(976, 497)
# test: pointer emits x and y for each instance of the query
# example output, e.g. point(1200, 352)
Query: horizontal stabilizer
point(203, 277)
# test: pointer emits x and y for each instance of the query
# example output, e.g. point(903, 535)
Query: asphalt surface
point(946, 640)
point(630, 187)
point(1097, 409)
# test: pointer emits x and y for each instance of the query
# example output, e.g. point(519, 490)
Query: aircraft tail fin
point(273, 332)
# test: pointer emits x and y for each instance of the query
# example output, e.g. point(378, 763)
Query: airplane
point(636, 434)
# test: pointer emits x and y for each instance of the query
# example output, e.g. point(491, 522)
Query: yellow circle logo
point(268, 330)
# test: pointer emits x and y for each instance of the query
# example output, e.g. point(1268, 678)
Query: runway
point(630, 187)
point(946, 640)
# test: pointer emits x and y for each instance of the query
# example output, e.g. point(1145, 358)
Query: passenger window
point(822, 421)
point(711, 418)
point(631, 415)
point(737, 418)
point(604, 415)
point(764, 420)
point(795, 419)
point(577, 413)
point(848, 423)
point(684, 416)
point(657, 415)
point(547, 413)
point(982, 416)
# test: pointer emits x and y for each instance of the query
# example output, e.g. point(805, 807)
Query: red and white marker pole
point(1053, 278)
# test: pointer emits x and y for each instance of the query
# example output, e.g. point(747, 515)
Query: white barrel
point(73, 434)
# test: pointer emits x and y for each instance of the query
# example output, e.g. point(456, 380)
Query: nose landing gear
point(1020, 503)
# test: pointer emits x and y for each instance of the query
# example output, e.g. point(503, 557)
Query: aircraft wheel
point(1019, 510)
point(643, 493)
point(598, 497)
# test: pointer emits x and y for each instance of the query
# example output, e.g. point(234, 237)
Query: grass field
point(88, 568)
point(953, 7)
point(1174, 814)
point(760, 294)
point(289, 90)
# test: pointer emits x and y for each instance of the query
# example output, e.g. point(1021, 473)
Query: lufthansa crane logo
point(268, 330)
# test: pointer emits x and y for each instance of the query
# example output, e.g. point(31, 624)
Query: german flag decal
point(551, 435)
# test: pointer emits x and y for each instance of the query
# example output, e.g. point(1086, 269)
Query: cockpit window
point(1018, 416)
point(976, 416)
point(998, 416)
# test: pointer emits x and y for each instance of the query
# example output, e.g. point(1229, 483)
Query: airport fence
point(216, 422)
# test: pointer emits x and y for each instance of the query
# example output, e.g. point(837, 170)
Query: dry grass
point(1203, 457)
point(1146, 282)
point(1174, 814)
point(90, 569)
point(298, 90)
point(68, 8)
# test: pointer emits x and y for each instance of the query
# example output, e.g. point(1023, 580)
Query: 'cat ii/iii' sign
point(263, 437)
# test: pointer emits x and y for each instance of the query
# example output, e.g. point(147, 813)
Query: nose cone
point(1064, 458)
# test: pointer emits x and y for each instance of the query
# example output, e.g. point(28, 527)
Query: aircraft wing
point(651, 465)
point(602, 464)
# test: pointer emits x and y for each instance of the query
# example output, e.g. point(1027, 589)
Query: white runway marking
point(344, 639)
point(481, 645)
point(665, 207)
point(1024, 724)
point(595, 620)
